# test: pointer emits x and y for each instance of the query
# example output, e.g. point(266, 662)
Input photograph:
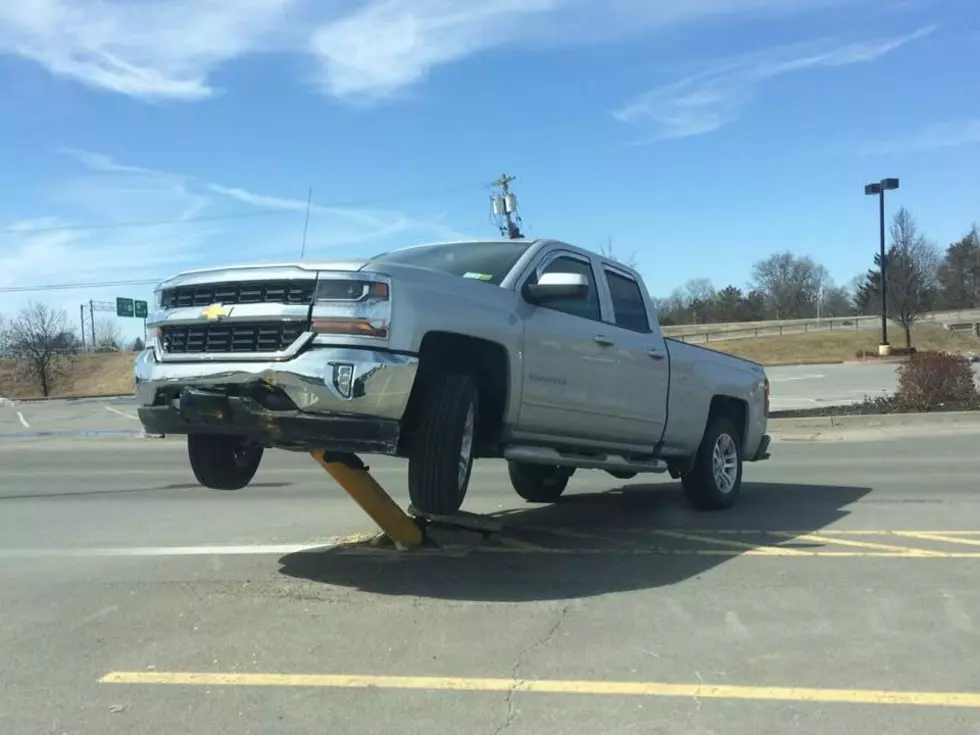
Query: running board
point(616, 462)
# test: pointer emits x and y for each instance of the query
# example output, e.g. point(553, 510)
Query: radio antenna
point(306, 223)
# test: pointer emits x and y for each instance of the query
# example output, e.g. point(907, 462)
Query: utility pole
point(505, 203)
point(91, 319)
point(81, 323)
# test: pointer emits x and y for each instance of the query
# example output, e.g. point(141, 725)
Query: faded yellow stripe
point(544, 686)
point(927, 536)
point(755, 549)
point(908, 550)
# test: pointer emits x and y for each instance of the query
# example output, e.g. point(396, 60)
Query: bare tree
point(790, 285)
point(700, 289)
point(911, 281)
point(607, 252)
point(108, 337)
point(41, 343)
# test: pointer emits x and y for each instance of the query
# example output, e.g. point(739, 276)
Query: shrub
point(931, 381)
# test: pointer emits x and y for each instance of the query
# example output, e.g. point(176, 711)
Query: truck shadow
point(632, 538)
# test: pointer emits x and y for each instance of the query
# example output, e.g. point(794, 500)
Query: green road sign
point(124, 307)
point(141, 309)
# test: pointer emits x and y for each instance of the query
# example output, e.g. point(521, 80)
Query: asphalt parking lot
point(840, 595)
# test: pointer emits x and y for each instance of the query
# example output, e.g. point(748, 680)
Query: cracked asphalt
point(840, 595)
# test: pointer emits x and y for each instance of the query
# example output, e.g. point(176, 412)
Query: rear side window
point(627, 301)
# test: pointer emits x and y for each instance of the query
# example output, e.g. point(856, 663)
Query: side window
point(627, 300)
point(587, 308)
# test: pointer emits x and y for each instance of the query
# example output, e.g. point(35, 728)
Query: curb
point(74, 398)
point(811, 363)
point(876, 421)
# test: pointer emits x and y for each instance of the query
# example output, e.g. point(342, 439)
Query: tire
point(441, 459)
point(223, 462)
point(706, 488)
point(538, 483)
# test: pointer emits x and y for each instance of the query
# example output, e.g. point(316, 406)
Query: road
point(793, 387)
point(811, 386)
point(617, 610)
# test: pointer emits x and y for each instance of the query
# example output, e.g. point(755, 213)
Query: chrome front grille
point(230, 337)
point(290, 292)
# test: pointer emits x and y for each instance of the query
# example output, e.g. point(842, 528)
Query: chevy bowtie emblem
point(215, 312)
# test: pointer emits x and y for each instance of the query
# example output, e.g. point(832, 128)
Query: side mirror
point(557, 287)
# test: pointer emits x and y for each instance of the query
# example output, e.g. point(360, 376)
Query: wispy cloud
point(360, 49)
point(142, 49)
point(951, 134)
point(188, 230)
point(390, 44)
point(716, 95)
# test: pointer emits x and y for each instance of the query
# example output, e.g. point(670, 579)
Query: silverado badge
point(215, 312)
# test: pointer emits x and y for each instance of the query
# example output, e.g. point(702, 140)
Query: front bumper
point(316, 404)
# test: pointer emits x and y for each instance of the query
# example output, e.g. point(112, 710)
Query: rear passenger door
point(643, 367)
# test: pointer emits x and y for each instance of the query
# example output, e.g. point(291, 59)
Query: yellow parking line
point(588, 537)
point(545, 686)
point(771, 551)
point(816, 538)
point(755, 549)
point(946, 538)
point(513, 544)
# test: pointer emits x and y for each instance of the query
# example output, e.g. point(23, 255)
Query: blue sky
point(702, 135)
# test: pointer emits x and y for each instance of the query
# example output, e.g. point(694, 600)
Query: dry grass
point(88, 375)
point(112, 373)
point(827, 347)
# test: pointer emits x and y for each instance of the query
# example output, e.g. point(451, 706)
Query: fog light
point(343, 378)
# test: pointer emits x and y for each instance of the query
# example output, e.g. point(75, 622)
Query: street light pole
point(879, 189)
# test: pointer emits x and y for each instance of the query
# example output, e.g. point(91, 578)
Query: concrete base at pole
point(351, 474)
point(884, 350)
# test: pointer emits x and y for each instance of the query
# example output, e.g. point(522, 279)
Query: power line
point(140, 223)
point(72, 286)
point(239, 215)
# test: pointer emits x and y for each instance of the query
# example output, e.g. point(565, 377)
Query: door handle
point(601, 339)
point(655, 354)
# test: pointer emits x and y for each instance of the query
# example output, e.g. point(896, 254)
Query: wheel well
point(732, 409)
point(485, 361)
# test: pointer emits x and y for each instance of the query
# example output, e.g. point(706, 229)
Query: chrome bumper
point(380, 388)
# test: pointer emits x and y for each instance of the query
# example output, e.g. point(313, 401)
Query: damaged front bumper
point(343, 399)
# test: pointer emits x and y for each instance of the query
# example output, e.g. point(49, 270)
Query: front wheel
point(539, 483)
point(441, 458)
point(715, 481)
point(223, 462)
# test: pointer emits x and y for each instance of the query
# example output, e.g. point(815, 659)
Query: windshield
point(489, 262)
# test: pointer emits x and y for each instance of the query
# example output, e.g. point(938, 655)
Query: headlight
point(352, 307)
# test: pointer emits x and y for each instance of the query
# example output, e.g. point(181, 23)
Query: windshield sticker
point(478, 276)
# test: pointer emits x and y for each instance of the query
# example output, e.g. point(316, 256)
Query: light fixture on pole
point(879, 189)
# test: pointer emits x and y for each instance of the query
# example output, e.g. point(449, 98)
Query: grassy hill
point(827, 347)
point(112, 373)
point(88, 375)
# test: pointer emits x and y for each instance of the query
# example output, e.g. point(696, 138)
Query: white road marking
point(156, 551)
point(796, 377)
point(23, 421)
point(122, 413)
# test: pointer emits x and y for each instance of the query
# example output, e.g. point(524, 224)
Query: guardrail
point(704, 333)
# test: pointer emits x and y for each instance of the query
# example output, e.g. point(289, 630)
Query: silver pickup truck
point(539, 352)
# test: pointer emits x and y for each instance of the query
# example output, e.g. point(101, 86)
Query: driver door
point(566, 360)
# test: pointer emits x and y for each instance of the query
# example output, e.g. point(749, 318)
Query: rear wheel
point(223, 462)
point(715, 481)
point(539, 483)
point(441, 458)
